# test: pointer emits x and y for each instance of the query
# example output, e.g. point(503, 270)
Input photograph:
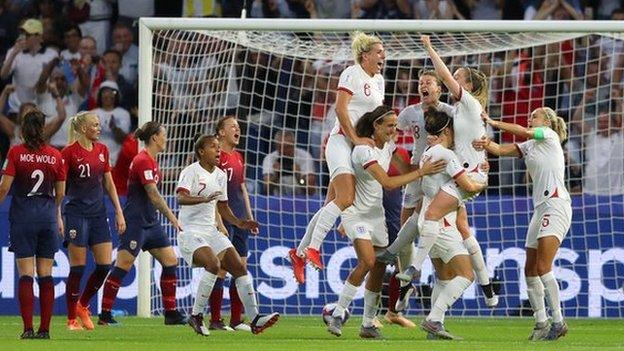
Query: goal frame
point(149, 24)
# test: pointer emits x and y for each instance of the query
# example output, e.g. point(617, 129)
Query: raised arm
point(441, 70)
point(512, 128)
point(495, 149)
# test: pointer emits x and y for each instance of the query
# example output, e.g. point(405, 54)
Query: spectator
point(330, 8)
point(89, 71)
point(129, 149)
point(288, 169)
point(435, 9)
point(270, 9)
point(112, 62)
point(201, 8)
point(8, 27)
point(97, 24)
point(114, 120)
point(123, 43)
point(56, 100)
point(25, 62)
point(71, 38)
point(558, 10)
point(385, 9)
point(604, 163)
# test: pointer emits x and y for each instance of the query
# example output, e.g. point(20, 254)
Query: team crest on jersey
point(72, 233)
point(102, 158)
point(133, 244)
point(148, 174)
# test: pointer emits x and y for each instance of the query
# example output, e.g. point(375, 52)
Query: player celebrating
point(144, 230)
point(201, 243)
point(469, 87)
point(552, 213)
point(360, 90)
point(232, 163)
point(88, 174)
point(364, 222)
point(448, 254)
point(34, 217)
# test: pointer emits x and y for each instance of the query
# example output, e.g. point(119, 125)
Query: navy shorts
point(238, 237)
point(86, 231)
point(34, 239)
point(138, 238)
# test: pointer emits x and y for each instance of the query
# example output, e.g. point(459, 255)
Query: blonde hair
point(76, 122)
point(557, 123)
point(362, 43)
point(480, 85)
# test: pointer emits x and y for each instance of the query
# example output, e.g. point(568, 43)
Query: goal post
point(281, 75)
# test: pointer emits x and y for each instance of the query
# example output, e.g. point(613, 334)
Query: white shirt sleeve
point(364, 156)
point(222, 179)
point(267, 164)
point(304, 160)
point(122, 119)
point(470, 106)
point(525, 146)
point(187, 177)
point(347, 80)
point(453, 166)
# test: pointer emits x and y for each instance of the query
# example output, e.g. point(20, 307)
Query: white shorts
point(454, 190)
point(338, 155)
point(189, 242)
point(448, 245)
point(552, 217)
point(359, 226)
point(412, 193)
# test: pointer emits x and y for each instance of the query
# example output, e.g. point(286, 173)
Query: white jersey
point(367, 93)
point(468, 126)
point(199, 182)
point(546, 165)
point(368, 191)
point(432, 183)
point(412, 120)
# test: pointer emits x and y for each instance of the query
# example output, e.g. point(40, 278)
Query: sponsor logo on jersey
point(148, 174)
point(102, 159)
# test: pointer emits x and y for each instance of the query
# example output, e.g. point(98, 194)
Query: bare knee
point(124, 262)
point(367, 263)
point(543, 267)
point(212, 265)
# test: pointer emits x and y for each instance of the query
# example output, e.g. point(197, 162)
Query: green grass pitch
point(308, 333)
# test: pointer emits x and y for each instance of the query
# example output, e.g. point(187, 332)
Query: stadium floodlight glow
point(282, 74)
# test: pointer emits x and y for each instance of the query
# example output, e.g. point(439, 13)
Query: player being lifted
point(144, 231)
point(552, 214)
point(469, 88)
point(364, 222)
point(86, 225)
point(201, 190)
point(36, 172)
point(232, 163)
point(449, 255)
point(360, 90)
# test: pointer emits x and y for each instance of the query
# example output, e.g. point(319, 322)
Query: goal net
point(283, 82)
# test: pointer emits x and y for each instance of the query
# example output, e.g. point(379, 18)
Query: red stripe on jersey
point(556, 193)
point(369, 163)
point(345, 90)
point(519, 150)
point(475, 170)
point(446, 223)
point(458, 174)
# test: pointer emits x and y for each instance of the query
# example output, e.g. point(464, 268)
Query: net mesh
point(279, 81)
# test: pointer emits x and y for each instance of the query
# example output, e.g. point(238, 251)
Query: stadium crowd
point(66, 56)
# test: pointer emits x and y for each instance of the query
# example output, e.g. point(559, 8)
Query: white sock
point(426, 241)
point(326, 220)
point(406, 236)
point(204, 288)
point(453, 290)
point(552, 295)
point(346, 296)
point(247, 295)
point(535, 290)
point(407, 257)
point(476, 257)
point(437, 288)
point(371, 303)
point(307, 237)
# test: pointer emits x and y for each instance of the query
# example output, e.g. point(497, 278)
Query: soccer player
point(86, 225)
point(36, 172)
point(360, 90)
point(143, 230)
point(364, 222)
point(448, 254)
point(469, 88)
point(203, 185)
point(232, 163)
point(552, 214)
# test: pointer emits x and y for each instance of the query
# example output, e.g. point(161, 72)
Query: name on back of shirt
point(49, 159)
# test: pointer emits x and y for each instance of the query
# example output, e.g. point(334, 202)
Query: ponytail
point(147, 130)
point(480, 85)
point(557, 123)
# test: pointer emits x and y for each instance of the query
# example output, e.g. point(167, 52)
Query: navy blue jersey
point(35, 172)
point(85, 174)
point(143, 170)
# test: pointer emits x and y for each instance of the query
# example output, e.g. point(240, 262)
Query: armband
point(538, 133)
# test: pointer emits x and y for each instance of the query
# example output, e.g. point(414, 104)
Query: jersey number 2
point(36, 174)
